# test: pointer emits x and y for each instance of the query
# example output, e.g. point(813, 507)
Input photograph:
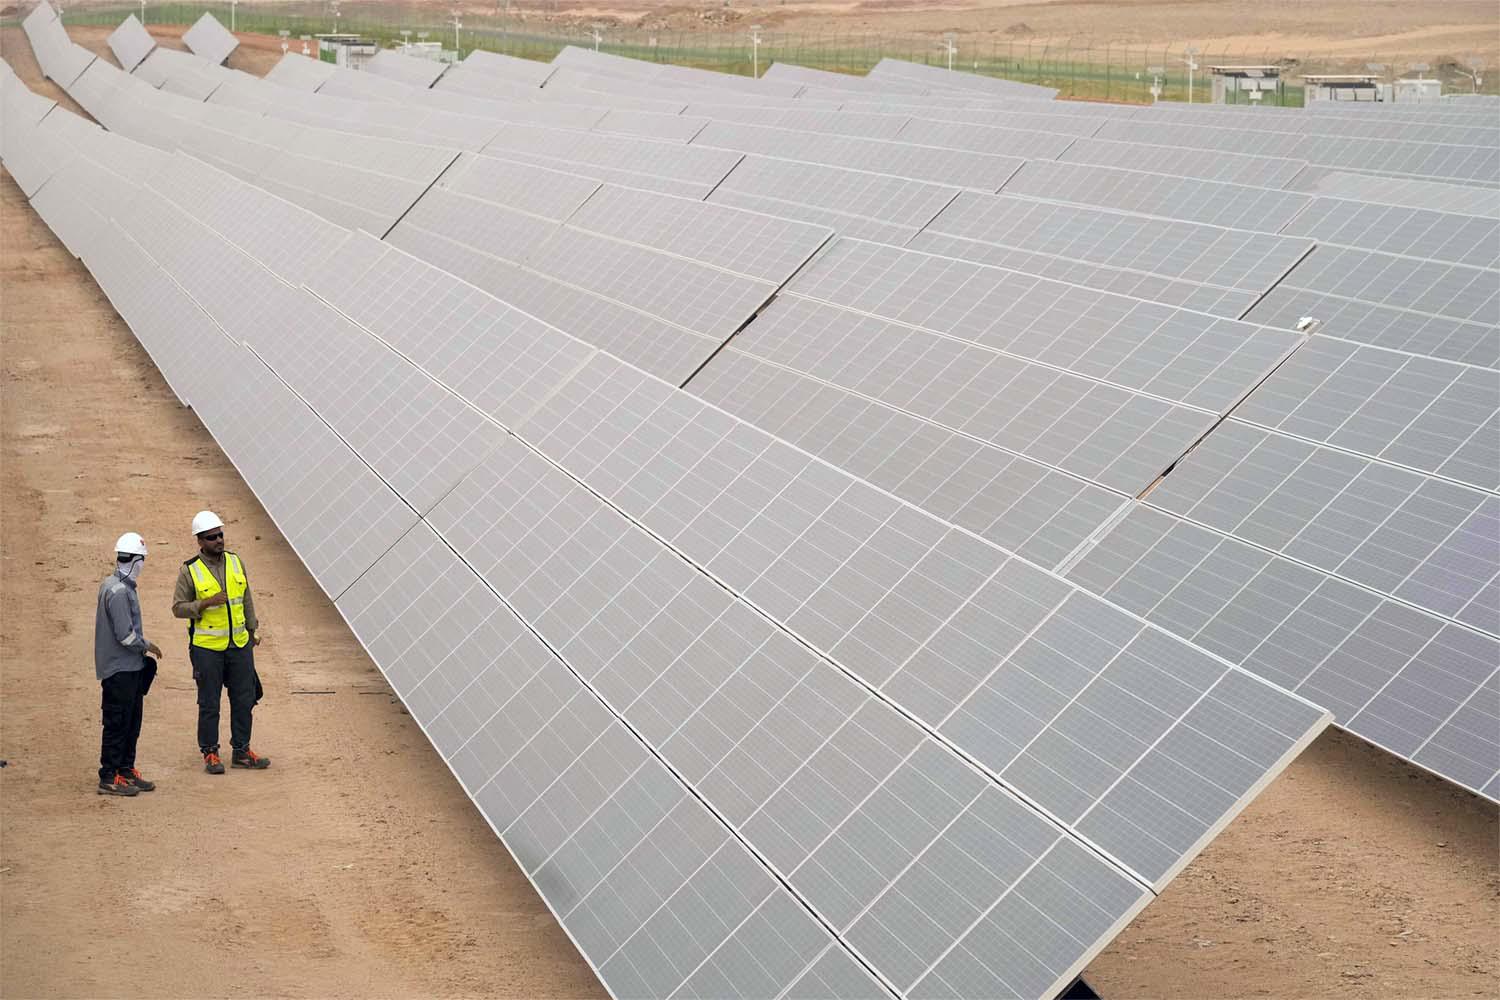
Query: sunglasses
point(212, 538)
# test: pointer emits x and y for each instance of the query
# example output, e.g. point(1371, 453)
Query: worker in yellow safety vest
point(213, 594)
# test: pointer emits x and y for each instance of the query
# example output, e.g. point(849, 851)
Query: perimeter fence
point(1079, 67)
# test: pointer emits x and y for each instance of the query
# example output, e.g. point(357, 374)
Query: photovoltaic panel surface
point(1190, 199)
point(1411, 232)
point(403, 68)
point(1120, 438)
point(1209, 165)
point(959, 168)
point(300, 72)
point(1435, 416)
point(1434, 196)
point(1418, 685)
point(537, 486)
point(671, 168)
point(1217, 270)
point(209, 39)
point(130, 43)
point(853, 203)
point(1026, 828)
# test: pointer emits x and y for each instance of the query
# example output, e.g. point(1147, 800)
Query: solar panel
point(1381, 326)
point(748, 243)
point(853, 203)
point(287, 238)
point(939, 79)
point(208, 39)
point(300, 72)
point(986, 139)
point(1421, 159)
point(1423, 540)
point(1058, 815)
point(890, 594)
point(650, 125)
point(1434, 416)
point(361, 86)
point(1209, 165)
point(1434, 196)
point(1036, 511)
point(1425, 286)
point(657, 166)
point(1118, 438)
point(1184, 357)
point(497, 66)
point(1217, 204)
point(549, 194)
point(31, 156)
point(1457, 239)
point(1431, 128)
point(1222, 271)
point(61, 61)
point(959, 168)
point(402, 68)
point(1408, 681)
point(466, 82)
point(649, 882)
point(130, 43)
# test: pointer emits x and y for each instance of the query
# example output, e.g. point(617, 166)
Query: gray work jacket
point(119, 641)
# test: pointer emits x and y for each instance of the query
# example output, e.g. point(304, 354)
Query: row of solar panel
point(566, 797)
point(1023, 531)
point(1438, 316)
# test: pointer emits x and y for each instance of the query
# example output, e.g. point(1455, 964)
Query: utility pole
point(1192, 64)
point(755, 51)
point(232, 5)
point(143, 11)
point(285, 44)
point(598, 35)
point(950, 43)
point(456, 25)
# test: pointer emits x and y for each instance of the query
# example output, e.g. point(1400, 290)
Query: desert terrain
point(356, 866)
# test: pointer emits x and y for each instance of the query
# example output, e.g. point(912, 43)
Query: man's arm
point(249, 606)
point(117, 607)
point(183, 603)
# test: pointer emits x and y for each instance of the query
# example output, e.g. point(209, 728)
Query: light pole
point(143, 11)
point(232, 5)
point(755, 51)
point(598, 35)
point(950, 44)
point(1192, 64)
point(335, 6)
point(1156, 75)
point(406, 39)
point(1476, 67)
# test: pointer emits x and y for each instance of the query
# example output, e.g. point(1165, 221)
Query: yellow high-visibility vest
point(221, 623)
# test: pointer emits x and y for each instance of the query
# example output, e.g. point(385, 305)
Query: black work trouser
point(122, 705)
point(214, 670)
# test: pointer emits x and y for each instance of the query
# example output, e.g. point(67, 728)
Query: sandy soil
point(1392, 31)
point(357, 867)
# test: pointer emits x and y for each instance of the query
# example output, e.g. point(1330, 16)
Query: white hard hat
point(130, 544)
point(206, 520)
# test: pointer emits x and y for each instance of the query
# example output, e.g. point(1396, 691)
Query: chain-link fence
point(1079, 67)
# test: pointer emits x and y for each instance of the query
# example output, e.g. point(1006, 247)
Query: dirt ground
point(1392, 31)
point(356, 866)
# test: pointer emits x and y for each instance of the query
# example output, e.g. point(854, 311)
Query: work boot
point(118, 786)
point(211, 762)
point(249, 758)
point(133, 775)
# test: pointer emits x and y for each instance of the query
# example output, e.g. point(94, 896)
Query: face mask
point(132, 570)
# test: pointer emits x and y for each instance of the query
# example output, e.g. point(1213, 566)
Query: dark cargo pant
point(122, 705)
point(214, 670)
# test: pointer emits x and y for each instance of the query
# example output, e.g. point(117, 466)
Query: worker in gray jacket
point(124, 669)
